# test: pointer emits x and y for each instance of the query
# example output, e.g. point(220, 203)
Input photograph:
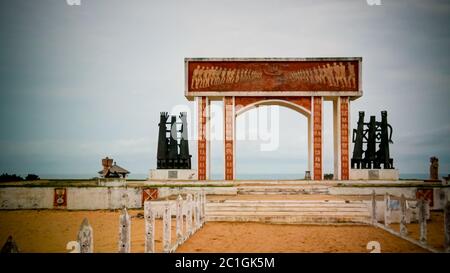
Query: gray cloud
point(81, 82)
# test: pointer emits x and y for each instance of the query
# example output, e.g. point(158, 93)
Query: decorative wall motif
point(252, 76)
point(336, 75)
point(344, 138)
point(60, 198)
point(317, 137)
point(204, 77)
point(201, 139)
point(149, 194)
point(426, 194)
point(229, 137)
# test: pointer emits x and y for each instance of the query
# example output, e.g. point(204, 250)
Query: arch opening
point(272, 141)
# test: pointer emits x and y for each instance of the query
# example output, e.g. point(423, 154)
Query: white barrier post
point(447, 226)
point(149, 216)
point(124, 232)
point(203, 205)
point(189, 216)
point(197, 211)
point(179, 220)
point(374, 208)
point(167, 217)
point(422, 206)
point(403, 229)
point(86, 237)
point(387, 201)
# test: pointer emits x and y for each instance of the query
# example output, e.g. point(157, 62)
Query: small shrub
point(31, 176)
point(10, 177)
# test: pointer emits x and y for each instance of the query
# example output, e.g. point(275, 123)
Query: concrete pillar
point(337, 138)
point(229, 129)
point(317, 137)
point(310, 147)
point(344, 135)
point(203, 116)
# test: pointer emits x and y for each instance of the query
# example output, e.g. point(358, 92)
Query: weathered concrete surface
point(90, 198)
point(408, 192)
point(172, 174)
point(289, 211)
point(26, 198)
point(381, 174)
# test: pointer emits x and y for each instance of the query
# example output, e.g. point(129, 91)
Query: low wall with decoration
point(93, 198)
point(111, 196)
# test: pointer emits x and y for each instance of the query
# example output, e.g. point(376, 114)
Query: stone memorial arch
point(301, 84)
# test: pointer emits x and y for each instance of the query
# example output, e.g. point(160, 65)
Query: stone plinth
point(173, 174)
point(112, 182)
point(374, 174)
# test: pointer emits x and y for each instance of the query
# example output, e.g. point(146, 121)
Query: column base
point(374, 174)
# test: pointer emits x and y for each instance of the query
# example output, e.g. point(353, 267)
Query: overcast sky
point(81, 82)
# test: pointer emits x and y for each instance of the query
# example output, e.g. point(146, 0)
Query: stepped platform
point(293, 211)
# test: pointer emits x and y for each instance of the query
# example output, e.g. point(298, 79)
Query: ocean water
point(248, 176)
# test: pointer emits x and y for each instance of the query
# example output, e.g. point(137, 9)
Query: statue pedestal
point(173, 174)
point(374, 174)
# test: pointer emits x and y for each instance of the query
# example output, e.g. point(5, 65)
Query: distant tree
point(10, 177)
point(31, 176)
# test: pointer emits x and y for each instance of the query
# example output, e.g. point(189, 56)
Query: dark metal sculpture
point(358, 151)
point(173, 145)
point(372, 133)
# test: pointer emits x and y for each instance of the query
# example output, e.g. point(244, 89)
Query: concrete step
point(306, 189)
point(288, 211)
point(291, 208)
point(303, 219)
point(268, 213)
point(235, 202)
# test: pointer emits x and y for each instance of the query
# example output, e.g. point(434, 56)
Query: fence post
point(374, 208)
point(189, 216)
point(86, 237)
point(149, 216)
point(10, 246)
point(194, 211)
point(202, 208)
point(447, 226)
point(167, 218)
point(197, 211)
point(403, 229)
point(179, 220)
point(124, 232)
point(422, 207)
point(387, 201)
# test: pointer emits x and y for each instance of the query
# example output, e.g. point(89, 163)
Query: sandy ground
point(50, 230)
point(435, 230)
point(255, 237)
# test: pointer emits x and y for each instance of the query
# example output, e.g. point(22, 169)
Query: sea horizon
point(242, 176)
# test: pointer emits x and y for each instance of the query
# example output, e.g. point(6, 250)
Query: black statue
point(372, 133)
point(357, 158)
point(168, 156)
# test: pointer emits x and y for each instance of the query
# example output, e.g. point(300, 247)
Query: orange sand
point(50, 230)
